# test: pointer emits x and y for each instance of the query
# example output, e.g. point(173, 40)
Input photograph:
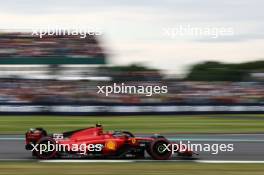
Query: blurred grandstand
point(23, 48)
point(58, 70)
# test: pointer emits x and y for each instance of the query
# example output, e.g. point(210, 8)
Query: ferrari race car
point(93, 142)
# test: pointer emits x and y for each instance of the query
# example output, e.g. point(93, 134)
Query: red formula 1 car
point(95, 143)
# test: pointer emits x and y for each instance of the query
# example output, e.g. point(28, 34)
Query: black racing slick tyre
point(46, 148)
point(160, 149)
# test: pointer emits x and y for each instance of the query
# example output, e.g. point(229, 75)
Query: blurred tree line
point(132, 72)
point(217, 71)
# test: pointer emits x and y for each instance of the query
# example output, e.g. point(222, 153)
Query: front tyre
point(160, 149)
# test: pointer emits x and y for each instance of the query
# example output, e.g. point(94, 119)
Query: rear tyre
point(46, 148)
point(158, 151)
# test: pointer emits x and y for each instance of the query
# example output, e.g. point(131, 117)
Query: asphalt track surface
point(247, 147)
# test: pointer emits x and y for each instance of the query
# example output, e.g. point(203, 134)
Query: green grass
point(155, 168)
point(138, 124)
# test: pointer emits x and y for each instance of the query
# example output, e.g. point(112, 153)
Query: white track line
point(229, 161)
point(133, 161)
point(88, 161)
point(166, 161)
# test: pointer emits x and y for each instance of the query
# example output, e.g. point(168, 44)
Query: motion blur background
point(134, 49)
point(67, 70)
